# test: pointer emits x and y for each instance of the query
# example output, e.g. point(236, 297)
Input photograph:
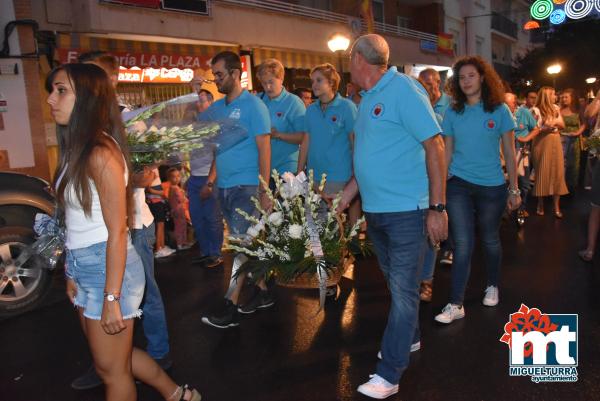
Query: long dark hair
point(492, 89)
point(95, 113)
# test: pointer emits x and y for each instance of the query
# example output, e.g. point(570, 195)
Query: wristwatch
point(210, 184)
point(515, 192)
point(438, 207)
point(110, 297)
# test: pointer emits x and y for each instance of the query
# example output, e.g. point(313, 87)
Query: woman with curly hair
point(475, 125)
point(548, 158)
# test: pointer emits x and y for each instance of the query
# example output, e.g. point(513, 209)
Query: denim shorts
point(87, 267)
point(239, 197)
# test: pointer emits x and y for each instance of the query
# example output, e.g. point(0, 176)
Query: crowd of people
point(461, 155)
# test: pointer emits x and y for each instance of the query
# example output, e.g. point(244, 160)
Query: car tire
point(21, 289)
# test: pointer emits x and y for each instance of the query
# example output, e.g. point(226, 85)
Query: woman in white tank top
point(105, 274)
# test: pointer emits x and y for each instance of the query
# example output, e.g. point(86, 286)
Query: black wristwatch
point(209, 184)
point(438, 207)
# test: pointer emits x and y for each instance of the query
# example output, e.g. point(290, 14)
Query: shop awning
point(297, 59)
point(134, 53)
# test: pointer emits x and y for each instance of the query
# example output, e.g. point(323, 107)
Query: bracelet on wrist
point(515, 192)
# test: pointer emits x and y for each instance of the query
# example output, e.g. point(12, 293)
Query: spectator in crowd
point(353, 93)
point(592, 112)
point(474, 126)
point(570, 136)
point(305, 95)
point(530, 99)
point(205, 213)
point(547, 152)
point(178, 204)
point(525, 131)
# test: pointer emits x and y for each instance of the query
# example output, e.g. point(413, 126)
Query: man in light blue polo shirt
point(441, 101)
point(287, 116)
point(400, 172)
point(431, 78)
point(525, 131)
point(237, 169)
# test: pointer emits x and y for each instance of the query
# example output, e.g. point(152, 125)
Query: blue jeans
point(233, 198)
point(87, 267)
point(206, 218)
point(153, 318)
point(466, 204)
point(428, 268)
point(524, 181)
point(399, 241)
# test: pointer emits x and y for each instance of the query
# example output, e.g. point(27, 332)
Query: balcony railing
point(328, 16)
point(504, 25)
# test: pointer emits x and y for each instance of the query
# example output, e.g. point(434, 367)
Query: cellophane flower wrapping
point(49, 245)
point(157, 131)
point(279, 241)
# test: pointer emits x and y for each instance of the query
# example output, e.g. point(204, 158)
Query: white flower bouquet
point(166, 135)
point(300, 236)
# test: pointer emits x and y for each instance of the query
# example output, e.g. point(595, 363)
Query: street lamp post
point(338, 43)
point(554, 70)
point(590, 81)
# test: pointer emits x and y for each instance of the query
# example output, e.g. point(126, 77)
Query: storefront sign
point(429, 46)
point(246, 73)
point(156, 75)
point(154, 60)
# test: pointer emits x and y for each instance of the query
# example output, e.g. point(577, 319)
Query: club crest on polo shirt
point(490, 124)
point(521, 126)
point(235, 114)
point(378, 110)
point(279, 114)
point(334, 119)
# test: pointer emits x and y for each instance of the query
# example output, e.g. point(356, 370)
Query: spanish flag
point(445, 44)
point(366, 12)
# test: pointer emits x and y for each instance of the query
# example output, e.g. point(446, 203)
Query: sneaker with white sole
point(164, 252)
point(446, 258)
point(413, 348)
point(450, 313)
point(491, 296)
point(378, 388)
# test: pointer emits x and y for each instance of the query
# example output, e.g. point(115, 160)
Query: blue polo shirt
point(287, 115)
point(394, 118)
point(477, 133)
point(525, 122)
point(442, 104)
point(239, 165)
point(330, 148)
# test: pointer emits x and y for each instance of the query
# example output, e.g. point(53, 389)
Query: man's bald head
point(373, 48)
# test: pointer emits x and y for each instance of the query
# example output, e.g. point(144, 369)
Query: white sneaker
point(163, 252)
point(413, 348)
point(377, 387)
point(450, 313)
point(491, 296)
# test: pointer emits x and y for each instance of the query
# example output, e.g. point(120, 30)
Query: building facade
point(169, 45)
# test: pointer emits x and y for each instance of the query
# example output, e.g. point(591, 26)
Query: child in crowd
point(179, 208)
point(155, 197)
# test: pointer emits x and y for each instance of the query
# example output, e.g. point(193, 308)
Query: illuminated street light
point(554, 70)
point(338, 42)
point(590, 80)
